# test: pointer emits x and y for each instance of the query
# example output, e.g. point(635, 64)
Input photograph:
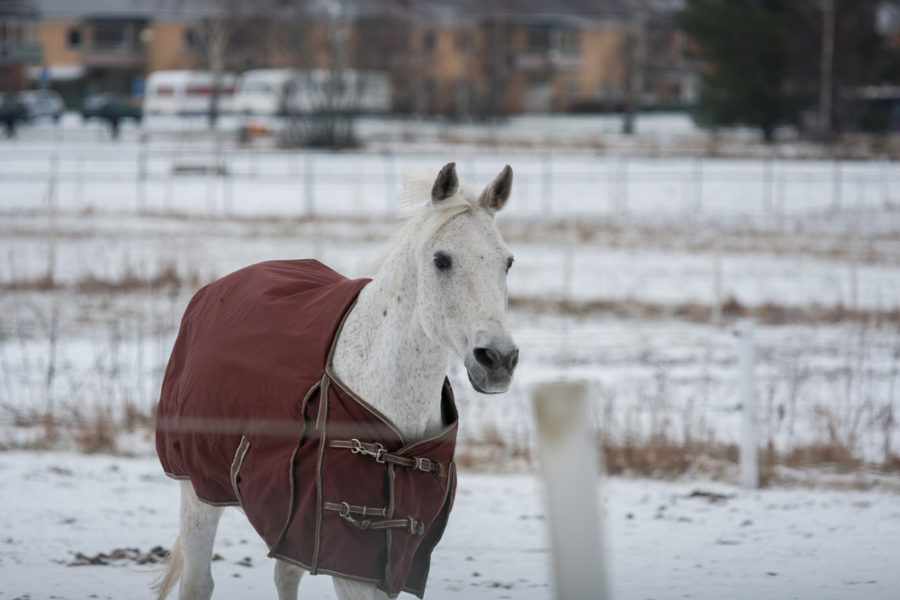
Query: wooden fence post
point(567, 449)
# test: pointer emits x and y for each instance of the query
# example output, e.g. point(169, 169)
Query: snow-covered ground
point(698, 539)
point(85, 222)
point(84, 347)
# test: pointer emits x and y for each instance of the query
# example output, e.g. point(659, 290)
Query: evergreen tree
point(740, 44)
point(761, 60)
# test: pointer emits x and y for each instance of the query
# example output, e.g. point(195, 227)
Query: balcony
point(114, 56)
point(113, 43)
point(24, 53)
point(555, 60)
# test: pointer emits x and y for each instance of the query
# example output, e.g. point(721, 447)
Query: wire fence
point(235, 181)
point(803, 396)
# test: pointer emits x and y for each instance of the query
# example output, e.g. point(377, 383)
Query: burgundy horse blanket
point(253, 415)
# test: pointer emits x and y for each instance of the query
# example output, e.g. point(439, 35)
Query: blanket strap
point(381, 455)
point(346, 510)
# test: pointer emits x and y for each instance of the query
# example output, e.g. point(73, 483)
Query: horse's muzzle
point(490, 367)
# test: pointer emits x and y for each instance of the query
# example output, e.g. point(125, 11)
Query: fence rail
point(143, 177)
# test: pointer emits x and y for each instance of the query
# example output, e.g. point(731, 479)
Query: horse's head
point(462, 266)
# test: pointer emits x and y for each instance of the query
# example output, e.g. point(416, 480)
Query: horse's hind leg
point(198, 525)
point(287, 579)
point(348, 589)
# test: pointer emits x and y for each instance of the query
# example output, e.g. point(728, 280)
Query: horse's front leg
point(356, 590)
point(287, 579)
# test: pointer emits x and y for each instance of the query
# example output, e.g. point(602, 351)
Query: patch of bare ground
point(155, 555)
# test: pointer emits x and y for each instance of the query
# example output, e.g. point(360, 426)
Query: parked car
point(286, 92)
point(12, 112)
point(43, 103)
point(109, 106)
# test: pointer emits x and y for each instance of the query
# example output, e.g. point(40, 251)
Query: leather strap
point(381, 455)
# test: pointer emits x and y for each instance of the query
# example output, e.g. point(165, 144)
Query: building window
point(428, 41)
point(190, 40)
point(109, 37)
point(568, 41)
point(463, 41)
point(538, 39)
point(73, 38)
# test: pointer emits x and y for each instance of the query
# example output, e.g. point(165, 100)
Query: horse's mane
point(426, 217)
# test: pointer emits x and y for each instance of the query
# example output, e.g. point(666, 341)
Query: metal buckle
point(423, 464)
point(345, 510)
point(416, 526)
point(356, 447)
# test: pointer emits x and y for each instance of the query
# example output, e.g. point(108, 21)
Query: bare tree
point(329, 93)
point(218, 26)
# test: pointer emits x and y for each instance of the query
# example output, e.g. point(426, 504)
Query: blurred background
point(679, 165)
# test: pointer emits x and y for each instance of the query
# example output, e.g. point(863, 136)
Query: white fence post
point(622, 189)
point(568, 455)
point(390, 183)
point(768, 190)
point(716, 312)
point(749, 446)
point(698, 185)
point(547, 184)
point(309, 188)
point(142, 173)
point(836, 185)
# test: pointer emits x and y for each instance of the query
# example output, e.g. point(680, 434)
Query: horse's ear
point(497, 192)
point(446, 183)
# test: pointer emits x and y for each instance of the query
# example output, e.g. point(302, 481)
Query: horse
point(439, 292)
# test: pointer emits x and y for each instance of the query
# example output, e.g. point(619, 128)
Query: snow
point(588, 224)
point(689, 539)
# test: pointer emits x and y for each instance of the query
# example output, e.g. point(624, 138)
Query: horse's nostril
point(487, 357)
point(512, 359)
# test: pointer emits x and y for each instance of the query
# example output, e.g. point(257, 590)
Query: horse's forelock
point(426, 217)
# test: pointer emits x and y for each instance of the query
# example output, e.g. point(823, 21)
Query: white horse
point(440, 292)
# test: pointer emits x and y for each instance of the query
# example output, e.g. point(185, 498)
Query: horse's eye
point(509, 263)
point(442, 261)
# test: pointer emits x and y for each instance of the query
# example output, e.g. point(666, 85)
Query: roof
point(18, 8)
point(507, 11)
point(160, 10)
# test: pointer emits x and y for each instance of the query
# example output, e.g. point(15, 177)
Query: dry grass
point(769, 313)
point(165, 277)
point(97, 434)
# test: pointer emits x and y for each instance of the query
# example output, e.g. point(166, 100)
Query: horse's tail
point(174, 566)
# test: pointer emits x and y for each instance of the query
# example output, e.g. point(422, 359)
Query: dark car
point(110, 107)
point(12, 112)
point(43, 103)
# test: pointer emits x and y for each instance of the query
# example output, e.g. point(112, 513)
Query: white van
point(287, 91)
point(264, 91)
point(186, 92)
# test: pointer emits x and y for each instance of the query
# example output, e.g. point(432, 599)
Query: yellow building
point(20, 48)
point(110, 46)
point(460, 58)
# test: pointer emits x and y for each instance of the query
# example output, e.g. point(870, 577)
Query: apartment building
point(20, 48)
point(447, 57)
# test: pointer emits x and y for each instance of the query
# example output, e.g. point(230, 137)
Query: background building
point(19, 44)
point(455, 58)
